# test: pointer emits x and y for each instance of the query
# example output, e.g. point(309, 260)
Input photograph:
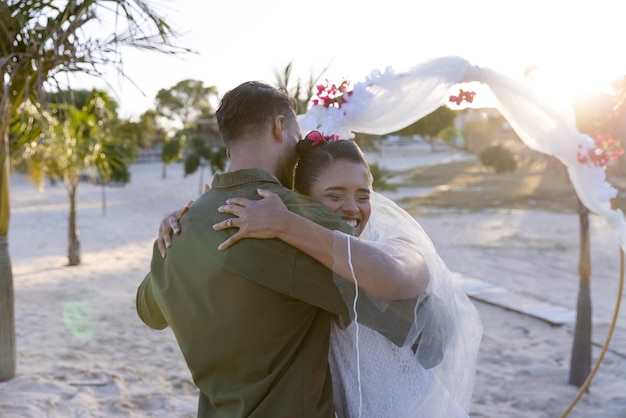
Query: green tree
point(432, 126)
point(182, 105)
point(140, 135)
point(201, 151)
point(152, 132)
point(450, 135)
point(40, 40)
point(186, 102)
point(480, 128)
point(171, 152)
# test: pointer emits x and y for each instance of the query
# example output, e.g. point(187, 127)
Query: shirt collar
point(239, 177)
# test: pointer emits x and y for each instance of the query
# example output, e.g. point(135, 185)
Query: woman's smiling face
point(345, 188)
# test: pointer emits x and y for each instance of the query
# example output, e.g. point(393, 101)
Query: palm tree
point(40, 40)
point(77, 136)
point(303, 93)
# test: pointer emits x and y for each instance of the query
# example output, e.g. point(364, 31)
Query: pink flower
point(606, 149)
point(318, 138)
point(331, 95)
point(315, 137)
point(467, 96)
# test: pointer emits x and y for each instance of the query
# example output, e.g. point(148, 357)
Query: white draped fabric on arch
point(385, 102)
point(388, 101)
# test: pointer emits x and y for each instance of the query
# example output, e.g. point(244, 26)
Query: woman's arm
point(376, 270)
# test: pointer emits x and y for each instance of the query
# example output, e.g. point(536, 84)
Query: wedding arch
point(387, 101)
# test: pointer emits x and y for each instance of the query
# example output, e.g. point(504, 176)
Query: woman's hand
point(262, 218)
point(170, 225)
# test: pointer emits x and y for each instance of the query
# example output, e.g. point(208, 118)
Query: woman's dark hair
point(250, 107)
point(315, 156)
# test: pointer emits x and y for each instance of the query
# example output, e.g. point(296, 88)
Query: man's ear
point(278, 127)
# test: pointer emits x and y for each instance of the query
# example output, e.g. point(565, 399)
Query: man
point(253, 321)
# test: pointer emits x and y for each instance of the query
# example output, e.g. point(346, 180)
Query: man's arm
point(147, 307)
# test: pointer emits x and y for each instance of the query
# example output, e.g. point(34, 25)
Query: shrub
point(499, 158)
point(381, 177)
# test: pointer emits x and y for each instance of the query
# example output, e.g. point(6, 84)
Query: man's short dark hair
point(250, 107)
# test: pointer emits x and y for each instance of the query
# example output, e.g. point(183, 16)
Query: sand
point(83, 352)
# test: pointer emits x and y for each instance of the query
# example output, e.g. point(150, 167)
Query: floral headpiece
point(318, 138)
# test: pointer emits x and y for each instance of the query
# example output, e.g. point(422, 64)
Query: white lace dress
point(392, 382)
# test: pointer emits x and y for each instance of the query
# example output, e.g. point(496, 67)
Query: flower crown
point(318, 138)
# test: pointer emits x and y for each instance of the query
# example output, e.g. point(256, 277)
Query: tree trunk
point(7, 319)
point(580, 365)
point(164, 172)
point(431, 141)
point(73, 251)
point(7, 307)
point(201, 185)
point(104, 199)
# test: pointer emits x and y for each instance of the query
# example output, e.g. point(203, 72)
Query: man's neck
point(254, 153)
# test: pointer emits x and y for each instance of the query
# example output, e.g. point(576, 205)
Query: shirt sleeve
point(147, 307)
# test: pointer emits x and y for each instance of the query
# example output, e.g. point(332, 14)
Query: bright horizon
point(576, 44)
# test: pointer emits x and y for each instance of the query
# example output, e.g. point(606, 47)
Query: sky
point(575, 43)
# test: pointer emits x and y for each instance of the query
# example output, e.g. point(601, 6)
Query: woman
point(390, 257)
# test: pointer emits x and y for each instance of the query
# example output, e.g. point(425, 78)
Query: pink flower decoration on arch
point(467, 96)
point(606, 149)
point(332, 95)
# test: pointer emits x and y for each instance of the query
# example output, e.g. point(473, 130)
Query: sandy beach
point(83, 352)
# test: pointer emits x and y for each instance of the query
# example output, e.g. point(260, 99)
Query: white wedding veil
point(432, 371)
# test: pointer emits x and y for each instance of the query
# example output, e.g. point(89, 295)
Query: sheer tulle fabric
point(432, 373)
point(388, 101)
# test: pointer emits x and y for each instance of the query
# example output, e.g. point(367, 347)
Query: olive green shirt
point(252, 321)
